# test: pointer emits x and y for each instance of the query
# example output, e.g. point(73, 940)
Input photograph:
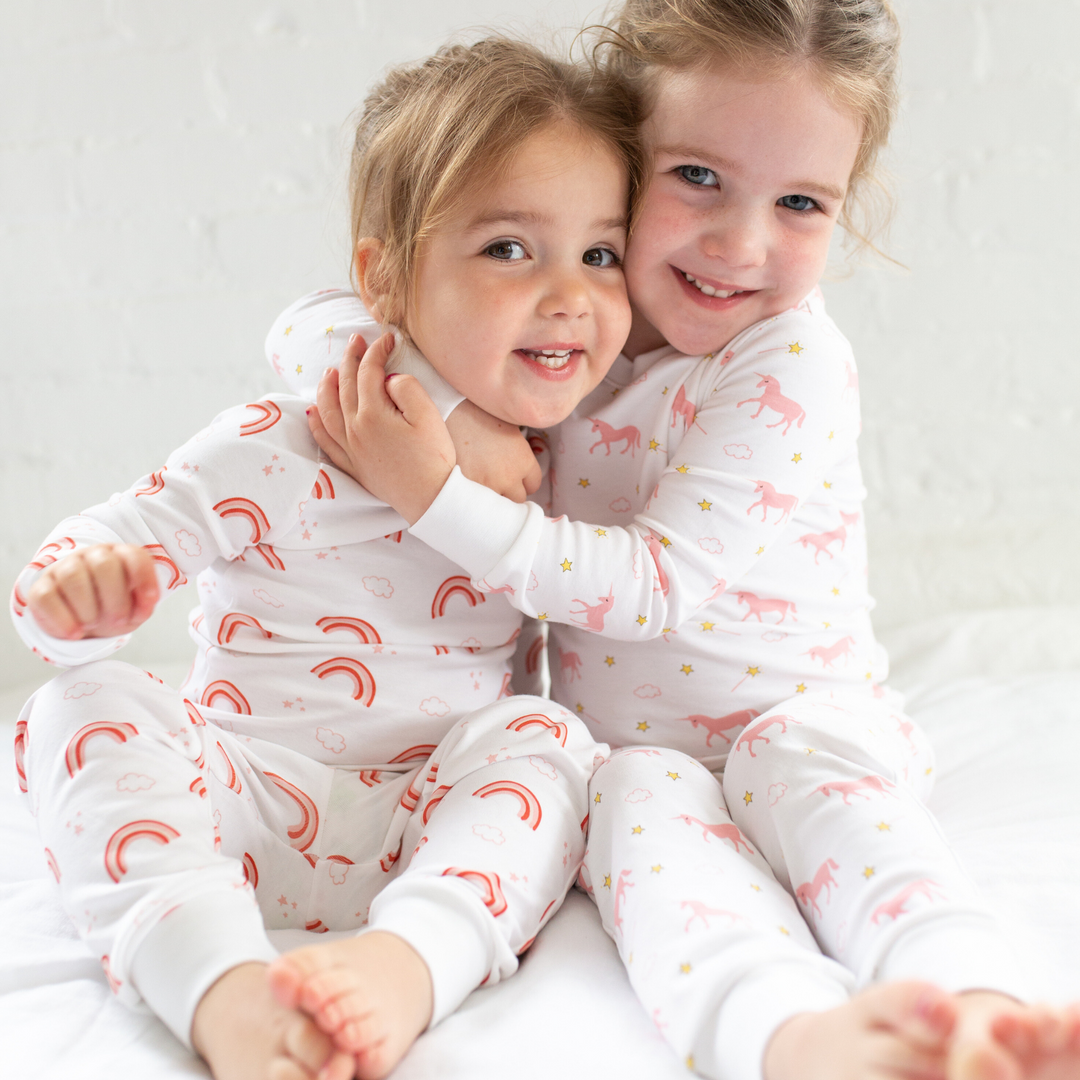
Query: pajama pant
point(807, 869)
point(176, 844)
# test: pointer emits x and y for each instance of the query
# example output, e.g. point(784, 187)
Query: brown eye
point(506, 250)
point(601, 258)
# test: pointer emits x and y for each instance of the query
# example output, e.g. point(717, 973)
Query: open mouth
point(552, 359)
point(708, 290)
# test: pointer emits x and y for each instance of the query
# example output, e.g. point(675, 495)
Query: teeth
point(708, 290)
point(550, 358)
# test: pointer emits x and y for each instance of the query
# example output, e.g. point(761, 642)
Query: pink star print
point(268, 469)
point(281, 900)
point(306, 535)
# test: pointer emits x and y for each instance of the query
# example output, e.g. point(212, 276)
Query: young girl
point(345, 750)
point(760, 851)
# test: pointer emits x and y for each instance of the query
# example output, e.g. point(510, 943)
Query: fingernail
point(307, 411)
point(392, 375)
point(353, 338)
point(327, 370)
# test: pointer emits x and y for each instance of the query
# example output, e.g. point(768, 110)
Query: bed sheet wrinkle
point(999, 695)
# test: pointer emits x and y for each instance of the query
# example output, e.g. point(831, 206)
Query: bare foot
point(998, 1038)
point(372, 993)
point(887, 1032)
point(244, 1034)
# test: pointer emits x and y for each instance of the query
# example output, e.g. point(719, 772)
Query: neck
point(643, 337)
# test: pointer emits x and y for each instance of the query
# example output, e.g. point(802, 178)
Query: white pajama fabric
point(344, 752)
point(702, 571)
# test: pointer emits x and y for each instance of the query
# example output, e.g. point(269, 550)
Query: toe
point(307, 1045)
point(324, 987)
point(285, 982)
point(921, 1013)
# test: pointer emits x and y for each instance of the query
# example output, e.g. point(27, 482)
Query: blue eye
point(601, 258)
point(506, 250)
point(698, 175)
point(800, 203)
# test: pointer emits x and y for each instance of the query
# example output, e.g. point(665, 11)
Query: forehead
point(767, 125)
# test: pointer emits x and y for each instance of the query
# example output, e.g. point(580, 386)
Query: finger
point(412, 401)
point(324, 439)
point(114, 600)
point(328, 402)
point(370, 376)
point(355, 352)
point(142, 581)
point(50, 612)
point(75, 585)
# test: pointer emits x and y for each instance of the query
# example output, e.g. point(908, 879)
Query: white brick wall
point(171, 175)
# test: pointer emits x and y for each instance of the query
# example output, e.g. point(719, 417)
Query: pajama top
point(707, 557)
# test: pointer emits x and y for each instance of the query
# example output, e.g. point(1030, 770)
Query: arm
point(724, 499)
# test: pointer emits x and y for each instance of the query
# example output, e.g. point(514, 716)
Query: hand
point(384, 432)
point(101, 591)
point(493, 453)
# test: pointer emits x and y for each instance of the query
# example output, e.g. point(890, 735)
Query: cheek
point(660, 230)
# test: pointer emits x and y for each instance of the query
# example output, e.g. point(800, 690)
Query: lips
point(553, 363)
point(719, 297)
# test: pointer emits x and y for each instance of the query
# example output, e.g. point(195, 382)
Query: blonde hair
point(430, 133)
point(850, 46)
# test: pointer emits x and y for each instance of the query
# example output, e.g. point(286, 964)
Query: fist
point(101, 591)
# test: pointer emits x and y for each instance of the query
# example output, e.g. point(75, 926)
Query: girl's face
point(749, 178)
point(520, 299)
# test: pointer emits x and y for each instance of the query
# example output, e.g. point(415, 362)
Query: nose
point(565, 294)
point(737, 237)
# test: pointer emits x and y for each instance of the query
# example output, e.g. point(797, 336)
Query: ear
point(366, 264)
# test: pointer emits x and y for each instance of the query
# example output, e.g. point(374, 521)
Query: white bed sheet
point(999, 693)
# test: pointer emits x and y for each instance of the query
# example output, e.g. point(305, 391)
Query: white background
point(171, 175)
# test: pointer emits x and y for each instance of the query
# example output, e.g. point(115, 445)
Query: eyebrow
point(525, 217)
point(694, 153)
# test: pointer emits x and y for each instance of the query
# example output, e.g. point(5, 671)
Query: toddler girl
point(345, 750)
point(760, 850)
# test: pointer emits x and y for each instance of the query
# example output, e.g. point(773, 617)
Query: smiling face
point(748, 181)
point(520, 299)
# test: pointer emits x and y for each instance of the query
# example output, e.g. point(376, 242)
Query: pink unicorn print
point(608, 435)
point(655, 547)
point(790, 411)
point(758, 604)
point(569, 666)
point(684, 409)
point(771, 498)
point(823, 879)
point(724, 832)
point(754, 734)
point(844, 788)
point(718, 725)
point(820, 541)
point(827, 654)
point(621, 886)
point(594, 613)
point(897, 906)
point(700, 910)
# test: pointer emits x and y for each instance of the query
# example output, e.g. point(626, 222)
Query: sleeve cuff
point(472, 525)
point(406, 360)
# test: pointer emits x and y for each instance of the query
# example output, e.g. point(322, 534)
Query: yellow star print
point(705, 504)
point(328, 331)
point(690, 1063)
point(596, 798)
point(674, 776)
point(868, 873)
point(883, 826)
point(760, 551)
point(583, 482)
point(795, 347)
point(682, 468)
point(835, 591)
point(831, 434)
point(657, 868)
point(752, 671)
point(299, 369)
point(687, 668)
point(642, 726)
point(580, 708)
point(748, 798)
point(801, 688)
point(566, 564)
point(685, 968)
point(609, 660)
point(288, 330)
point(797, 458)
point(607, 881)
point(637, 830)
point(665, 541)
point(707, 625)
point(784, 930)
point(600, 532)
point(653, 444)
point(826, 483)
point(542, 615)
point(756, 888)
point(642, 620)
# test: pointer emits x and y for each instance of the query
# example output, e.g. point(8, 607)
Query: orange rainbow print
point(458, 585)
point(232, 781)
point(489, 885)
point(301, 836)
point(316, 926)
point(161, 557)
point(269, 415)
point(50, 858)
point(222, 688)
point(435, 799)
point(146, 829)
point(363, 630)
point(233, 621)
point(245, 508)
point(45, 555)
point(157, 483)
point(19, 604)
point(414, 753)
point(198, 787)
point(75, 755)
point(324, 488)
point(532, 657)
point(193, 714)
point(20, 755)
point(270, 556)
point(363, 680)
point(539, 720)
point(412, 796)
point(530, 804)
point(251, 871)
point(390, 858)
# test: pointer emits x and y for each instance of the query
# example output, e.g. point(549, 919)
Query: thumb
point(412, 401)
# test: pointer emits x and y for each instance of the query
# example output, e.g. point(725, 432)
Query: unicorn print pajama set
point(759, 845)
point(344, 751)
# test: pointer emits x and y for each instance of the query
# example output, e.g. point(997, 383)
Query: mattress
point(999, 694)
